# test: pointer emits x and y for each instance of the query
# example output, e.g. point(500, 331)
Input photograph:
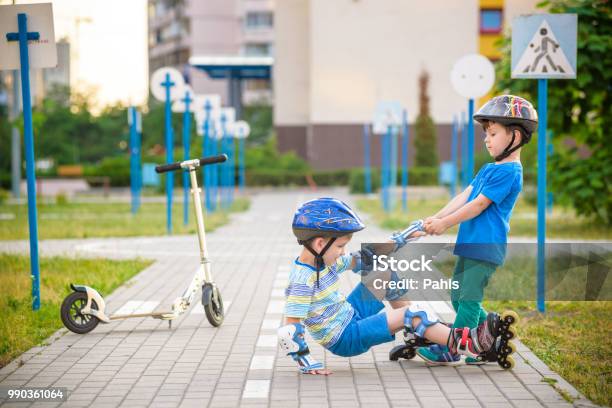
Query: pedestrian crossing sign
point(544, 46)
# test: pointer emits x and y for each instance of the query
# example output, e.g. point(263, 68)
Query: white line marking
point(147, 306)
point(277, 293)
point(276, 307)
point(262, 363)
point(256, 389)
point(280, 283)
point(267, 340)
point(270, 324)
point(129, 307)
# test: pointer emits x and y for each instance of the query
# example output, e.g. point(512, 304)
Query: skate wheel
point(405, 352)
point(509, 334)
point(510, 317)
point(507, 363)
point(509, 348)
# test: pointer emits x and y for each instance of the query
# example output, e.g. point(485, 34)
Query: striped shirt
point(323, 309)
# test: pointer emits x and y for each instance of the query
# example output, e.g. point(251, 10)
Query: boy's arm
point(468, 211)
point(291, 340)
point(454, 204)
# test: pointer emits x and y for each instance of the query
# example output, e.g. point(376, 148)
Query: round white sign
point(473, 76)
point(242, 129)
point(160, 76)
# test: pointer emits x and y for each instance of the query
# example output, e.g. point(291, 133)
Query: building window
point(490, 21)
point(258, 49)
point(259, 19)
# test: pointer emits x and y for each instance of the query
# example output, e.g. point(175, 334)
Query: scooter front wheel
point(213, 304)
point(71, 314)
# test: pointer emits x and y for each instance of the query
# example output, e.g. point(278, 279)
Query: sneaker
point(436, 355)
point(474, 361)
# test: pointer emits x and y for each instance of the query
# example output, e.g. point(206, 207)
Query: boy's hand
point(435, 226)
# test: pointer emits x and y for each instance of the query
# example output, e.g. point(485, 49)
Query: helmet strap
point(319, 262)
point(509, 149)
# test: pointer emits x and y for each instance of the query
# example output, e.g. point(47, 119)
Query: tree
point(579, 111)
point(425, 140)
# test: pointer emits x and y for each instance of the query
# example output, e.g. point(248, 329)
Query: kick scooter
point(84, 308)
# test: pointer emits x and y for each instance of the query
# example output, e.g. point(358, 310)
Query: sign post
point(543, 47)
point(166, 86)
point(227, 118)
point(366, 159)
point(472, 76)
point(387, 117)
point(135, 122)
point(23, 50)
point(207, 109)
point(183, 104)
point(453, 185)
point(405, 141)
point(242, 130)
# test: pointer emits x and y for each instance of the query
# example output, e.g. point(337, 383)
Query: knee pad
point(427, 319)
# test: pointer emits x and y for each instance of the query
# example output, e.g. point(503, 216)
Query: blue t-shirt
point(500, 183)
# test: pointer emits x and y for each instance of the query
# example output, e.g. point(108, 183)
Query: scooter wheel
point(213, 305)
point(71, 314)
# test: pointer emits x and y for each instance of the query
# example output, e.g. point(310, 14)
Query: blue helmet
point(325, 217)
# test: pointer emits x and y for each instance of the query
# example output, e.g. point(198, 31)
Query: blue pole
point(138, 158)
point(405, 161)
point(393, 169)
point(206, 152)
point(241, 162)
point(366, 159)
point(383, 170)
point(232, 168)
point(23, 36)
point(387, 169)
point(186, 133)
point(464, 150)
point(169, 156)
point(454, 157)
point(214, 170)
point(550, 151)
point(470, 122)
point(133, 153)
point(542, 152)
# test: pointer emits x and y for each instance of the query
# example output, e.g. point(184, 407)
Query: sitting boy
point(351, 326)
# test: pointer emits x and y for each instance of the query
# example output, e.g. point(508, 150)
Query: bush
point(357, 181)
point(4, 195)
point(117, 169)
point(417, 176)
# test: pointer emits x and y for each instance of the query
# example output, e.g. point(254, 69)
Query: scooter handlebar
point(204, 161)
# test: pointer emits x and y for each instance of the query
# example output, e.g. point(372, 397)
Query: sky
point(110, 53)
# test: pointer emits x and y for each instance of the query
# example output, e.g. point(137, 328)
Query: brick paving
point(142, 362)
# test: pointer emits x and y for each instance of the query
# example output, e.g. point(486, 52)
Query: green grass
point(77, 220)
point(572, 338)
point(561, 223)
point(20, 327)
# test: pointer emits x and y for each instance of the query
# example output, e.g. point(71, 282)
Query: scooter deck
point(155, 315)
